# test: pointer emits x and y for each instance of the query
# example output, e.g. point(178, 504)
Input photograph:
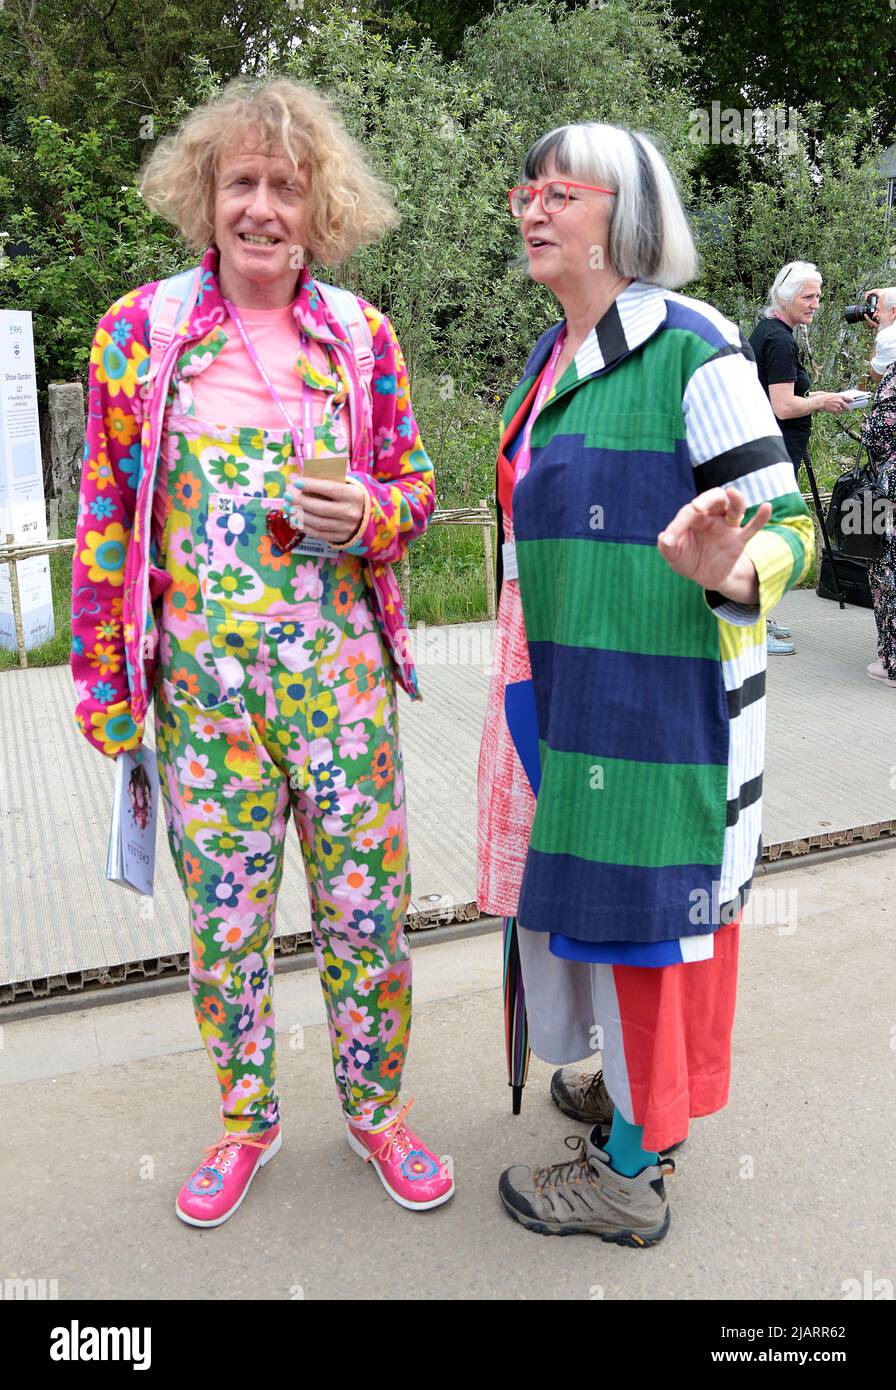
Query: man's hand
point(328, 511)
point(870, 318)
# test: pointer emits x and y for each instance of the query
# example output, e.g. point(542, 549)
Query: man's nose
point(260, 204)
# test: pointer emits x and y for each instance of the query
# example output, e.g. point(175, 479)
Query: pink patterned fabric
point(506, 802)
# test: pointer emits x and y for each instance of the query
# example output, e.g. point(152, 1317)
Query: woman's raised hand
point(705, 542)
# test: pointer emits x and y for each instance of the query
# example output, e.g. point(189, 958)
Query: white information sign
point(22, 509)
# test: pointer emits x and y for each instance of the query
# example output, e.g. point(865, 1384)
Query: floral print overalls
point(275, 696)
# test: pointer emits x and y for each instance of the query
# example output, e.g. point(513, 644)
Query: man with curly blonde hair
point(252, 471)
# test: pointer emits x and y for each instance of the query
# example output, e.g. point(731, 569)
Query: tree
point(811, 201)
point(785, 51)
point(449, 134)
point(54, 56)
point(444, 22)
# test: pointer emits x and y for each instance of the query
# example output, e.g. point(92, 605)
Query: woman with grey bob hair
point(649, 519)
point(649, 238)
point(793, 302)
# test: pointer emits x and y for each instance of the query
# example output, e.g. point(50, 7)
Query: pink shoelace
point(214, 1150)
point(394, 1135)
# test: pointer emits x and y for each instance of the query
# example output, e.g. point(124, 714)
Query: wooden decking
point(830, 779)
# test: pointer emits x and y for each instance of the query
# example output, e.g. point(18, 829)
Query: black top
point(778, 360)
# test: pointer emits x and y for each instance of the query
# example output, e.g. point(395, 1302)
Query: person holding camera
point(879, 438)
point(793, 301)
point(882, 318)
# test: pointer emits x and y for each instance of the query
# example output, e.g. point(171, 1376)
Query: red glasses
point(554, 195)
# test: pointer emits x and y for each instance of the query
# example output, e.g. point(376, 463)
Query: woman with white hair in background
point(650, 520)
point(793, 301)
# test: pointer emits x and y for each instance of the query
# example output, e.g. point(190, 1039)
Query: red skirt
point(663, 1034)
point(676, 1039)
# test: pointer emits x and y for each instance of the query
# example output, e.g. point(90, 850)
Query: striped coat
point(650, 692)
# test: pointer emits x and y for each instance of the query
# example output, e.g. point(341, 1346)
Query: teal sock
point(624, 1148)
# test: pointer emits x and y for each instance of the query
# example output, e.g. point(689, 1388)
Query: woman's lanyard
point(306, 449)
point(523, 460)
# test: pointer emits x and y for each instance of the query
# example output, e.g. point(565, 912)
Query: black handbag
point(859, 512)
point(852, 579)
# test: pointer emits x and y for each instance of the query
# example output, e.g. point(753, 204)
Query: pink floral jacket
point(115, 579)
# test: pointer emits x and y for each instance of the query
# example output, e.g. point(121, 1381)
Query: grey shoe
point(582, 1095)
point(584, 1196)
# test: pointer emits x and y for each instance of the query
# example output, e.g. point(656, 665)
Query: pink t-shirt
point(231, 390)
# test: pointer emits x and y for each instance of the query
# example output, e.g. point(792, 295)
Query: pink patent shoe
point(412, 1175)
point(220, 1183)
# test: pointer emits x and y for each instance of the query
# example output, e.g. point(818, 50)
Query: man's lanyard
point(524, 453)
point(306, 450)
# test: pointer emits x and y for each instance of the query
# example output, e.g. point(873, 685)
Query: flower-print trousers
point(882, 581)
point(275, 698)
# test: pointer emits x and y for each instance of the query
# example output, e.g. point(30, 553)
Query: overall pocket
point(353, 727)
point(248, 575)
point(210, 747)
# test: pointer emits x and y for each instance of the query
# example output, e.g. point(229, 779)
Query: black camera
point(855, 313)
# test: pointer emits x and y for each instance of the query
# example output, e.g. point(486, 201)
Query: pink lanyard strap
point(307, 426)
point(524, 457)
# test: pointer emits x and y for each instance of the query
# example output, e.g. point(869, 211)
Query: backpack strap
point(345, 307)
point(172, 303)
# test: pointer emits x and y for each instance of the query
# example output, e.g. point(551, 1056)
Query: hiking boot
point(219, 1185)
point(411, 1174)
point(584, 1196)
point(583, 1096)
